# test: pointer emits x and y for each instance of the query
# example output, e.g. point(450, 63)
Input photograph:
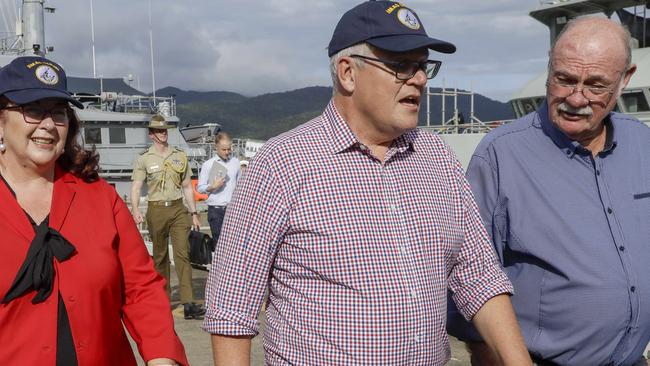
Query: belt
point(166, 203)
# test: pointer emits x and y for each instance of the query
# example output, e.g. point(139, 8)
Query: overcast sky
point(259, 46)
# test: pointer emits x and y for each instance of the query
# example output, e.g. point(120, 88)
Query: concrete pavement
point(197, 342)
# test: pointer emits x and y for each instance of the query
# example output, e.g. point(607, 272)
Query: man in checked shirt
point(357, 223)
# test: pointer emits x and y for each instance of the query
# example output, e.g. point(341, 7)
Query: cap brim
point(31, 95)
point(405, 43)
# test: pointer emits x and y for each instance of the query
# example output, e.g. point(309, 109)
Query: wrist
point(193, 213)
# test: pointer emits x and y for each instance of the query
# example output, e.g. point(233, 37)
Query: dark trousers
point(215, 219)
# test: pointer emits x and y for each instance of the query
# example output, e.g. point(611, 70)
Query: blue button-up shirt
point(573, 234)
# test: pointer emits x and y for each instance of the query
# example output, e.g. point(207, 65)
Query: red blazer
point(109, 280)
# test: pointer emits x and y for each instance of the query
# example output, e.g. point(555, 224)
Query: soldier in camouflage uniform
point(167, 173)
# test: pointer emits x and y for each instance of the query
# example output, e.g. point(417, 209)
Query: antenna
point(92, 37)
point(153, 74)
point(4, 17)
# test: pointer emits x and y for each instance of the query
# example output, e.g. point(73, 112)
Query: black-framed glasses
point(404, 70)
point(34, 113)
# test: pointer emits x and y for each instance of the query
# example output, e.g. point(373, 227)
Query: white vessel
point(115, 116)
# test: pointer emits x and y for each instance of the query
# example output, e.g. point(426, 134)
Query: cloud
point(254, 47)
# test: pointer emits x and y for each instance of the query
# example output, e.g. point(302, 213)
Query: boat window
point(117, 135)
point(93, 135)
point(635, 102)
point(530, 105)
point(524, 106)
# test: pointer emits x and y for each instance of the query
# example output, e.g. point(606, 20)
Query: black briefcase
point(201, 248)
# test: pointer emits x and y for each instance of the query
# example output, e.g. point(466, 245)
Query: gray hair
point(363, 49)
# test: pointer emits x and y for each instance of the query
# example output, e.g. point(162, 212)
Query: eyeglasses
point(34, 113)
point(563, 89)
point(404, 70)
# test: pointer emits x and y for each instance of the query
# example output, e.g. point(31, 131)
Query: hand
point(162, 362)
point(217, 183)
point(196, 222)
point(137, 216)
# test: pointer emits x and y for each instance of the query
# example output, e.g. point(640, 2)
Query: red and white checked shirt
point(357, 256)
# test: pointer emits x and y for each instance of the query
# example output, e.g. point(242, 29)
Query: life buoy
point(198, 196)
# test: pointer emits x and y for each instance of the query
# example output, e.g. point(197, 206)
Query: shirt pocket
point(641, 204)
point(154, 171)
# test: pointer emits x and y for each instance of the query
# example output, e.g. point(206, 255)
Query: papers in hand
point(217, 171)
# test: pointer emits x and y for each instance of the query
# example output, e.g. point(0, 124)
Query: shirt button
point(72, 299)
point(609, 210)
point(417, 338)
point(46, 349)
point(414, 294)
point(632, 288)
point(597, 172)
point(568, 152)
point(621, 248)
point(393, 207)
point(403, 250)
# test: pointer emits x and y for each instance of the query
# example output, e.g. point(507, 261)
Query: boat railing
point(466, 128)
point(457, 123)
point(117, 102)
point(8, 44)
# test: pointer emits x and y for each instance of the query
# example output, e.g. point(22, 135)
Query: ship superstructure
point(115, 116)
point(463, 137)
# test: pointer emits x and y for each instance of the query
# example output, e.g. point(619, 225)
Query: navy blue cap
point(386, 25)
point(31, 78)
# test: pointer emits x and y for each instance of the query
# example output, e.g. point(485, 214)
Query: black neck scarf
point(37, 271)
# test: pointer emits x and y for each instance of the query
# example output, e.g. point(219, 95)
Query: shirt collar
point(342, 137)
point(218, 158)
point(571, 147)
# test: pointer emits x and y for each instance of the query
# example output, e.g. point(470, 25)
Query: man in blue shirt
point(217, 179)
point(565, 194)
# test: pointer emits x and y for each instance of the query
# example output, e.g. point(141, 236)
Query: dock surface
point(197, 342)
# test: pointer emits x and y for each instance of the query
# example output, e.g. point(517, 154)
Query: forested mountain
point(267, 115)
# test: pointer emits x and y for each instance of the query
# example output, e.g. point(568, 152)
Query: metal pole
point(153, 74)
point(456, 107)
point(428, 105)
point(471, 109)
point(92, 38)
point(7, 23)
point(644, 21)
point(101, 91)
point(442, 123)
point(33, 33)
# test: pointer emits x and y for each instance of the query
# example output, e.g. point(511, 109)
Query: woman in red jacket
point(75, 270)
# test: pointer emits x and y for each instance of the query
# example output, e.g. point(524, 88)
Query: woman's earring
point(2, 145)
